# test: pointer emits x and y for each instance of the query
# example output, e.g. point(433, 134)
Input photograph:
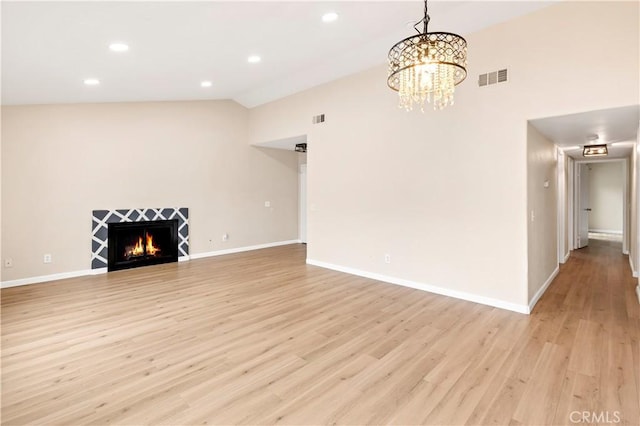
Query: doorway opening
point(601, 203)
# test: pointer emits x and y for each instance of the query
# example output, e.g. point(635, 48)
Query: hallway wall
point(542, 205)
point(606, 197)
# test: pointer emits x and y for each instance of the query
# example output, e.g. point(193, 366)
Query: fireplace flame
point(151, 249)
point(138, 249)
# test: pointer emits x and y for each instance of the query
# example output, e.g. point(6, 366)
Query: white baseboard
point(542, 289)
point(522, 309)
point(242, 249)
point(567, 257)
point(634, 271)
point(638, 292)
point(83, 273)
point(52, 277)
point(606, 231)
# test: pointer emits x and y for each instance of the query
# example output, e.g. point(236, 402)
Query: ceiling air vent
point(493, 77)
point(318, 119)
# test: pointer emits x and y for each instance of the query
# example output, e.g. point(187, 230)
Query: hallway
point(592, 308)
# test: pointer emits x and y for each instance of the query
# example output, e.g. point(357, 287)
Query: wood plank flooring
point(262, 338)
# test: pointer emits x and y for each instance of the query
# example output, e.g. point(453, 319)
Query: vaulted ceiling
point(50, 48)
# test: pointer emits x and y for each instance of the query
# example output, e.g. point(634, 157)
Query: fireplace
point(133, 244)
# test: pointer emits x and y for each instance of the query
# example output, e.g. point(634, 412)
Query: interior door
point(583, 206)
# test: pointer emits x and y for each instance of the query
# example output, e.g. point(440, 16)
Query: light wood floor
point(262, 338)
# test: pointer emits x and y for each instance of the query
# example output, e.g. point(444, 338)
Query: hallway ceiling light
point(118, 47)
point(595, 150)
point(329, 17)
point(427, 66)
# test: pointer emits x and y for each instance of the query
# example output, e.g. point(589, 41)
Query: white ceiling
point(49, 48)
point(617, 127)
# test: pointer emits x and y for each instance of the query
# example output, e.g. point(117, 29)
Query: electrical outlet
point(225, 237)
point(387, 258)
point(47, 258)
point(8, 263)
point(267, 203)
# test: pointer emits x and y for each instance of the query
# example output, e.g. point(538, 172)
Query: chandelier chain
point(424, 21)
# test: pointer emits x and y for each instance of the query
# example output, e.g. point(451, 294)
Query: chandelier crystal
point(427, 67)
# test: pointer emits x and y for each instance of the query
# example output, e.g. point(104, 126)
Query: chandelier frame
point(426, 50)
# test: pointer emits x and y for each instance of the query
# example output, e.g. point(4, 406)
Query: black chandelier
point(427, 66)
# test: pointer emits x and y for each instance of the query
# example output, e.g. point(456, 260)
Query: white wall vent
point(493, 77)
point(318, 119)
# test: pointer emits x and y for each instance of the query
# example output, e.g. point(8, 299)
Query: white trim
point(98, 271)
point(243, 249)
point(567, 257)
point(560, 204)
point(302, 203)
point(638, 292)
point(52, 277)
point(625, 206)
point(542, 289)
point(602, 160)
point(634, 272)
point(571, 203)
point(606, 231)
point(522, 309)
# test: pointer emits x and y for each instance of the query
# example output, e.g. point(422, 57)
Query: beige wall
point(445, 192)
point(606, 196)
point(542, 199)
point(61, 162)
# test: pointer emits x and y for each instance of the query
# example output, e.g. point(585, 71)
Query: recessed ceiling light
point(329, 17)
point(254, 59)
point(205, 84)
point(91, 81)
point(118, 47)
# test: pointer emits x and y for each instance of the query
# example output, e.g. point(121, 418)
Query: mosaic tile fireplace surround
point(102, 218)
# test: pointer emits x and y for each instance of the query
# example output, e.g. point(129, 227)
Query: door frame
point(573, 212)
point(302, 203)
point(561, 197)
